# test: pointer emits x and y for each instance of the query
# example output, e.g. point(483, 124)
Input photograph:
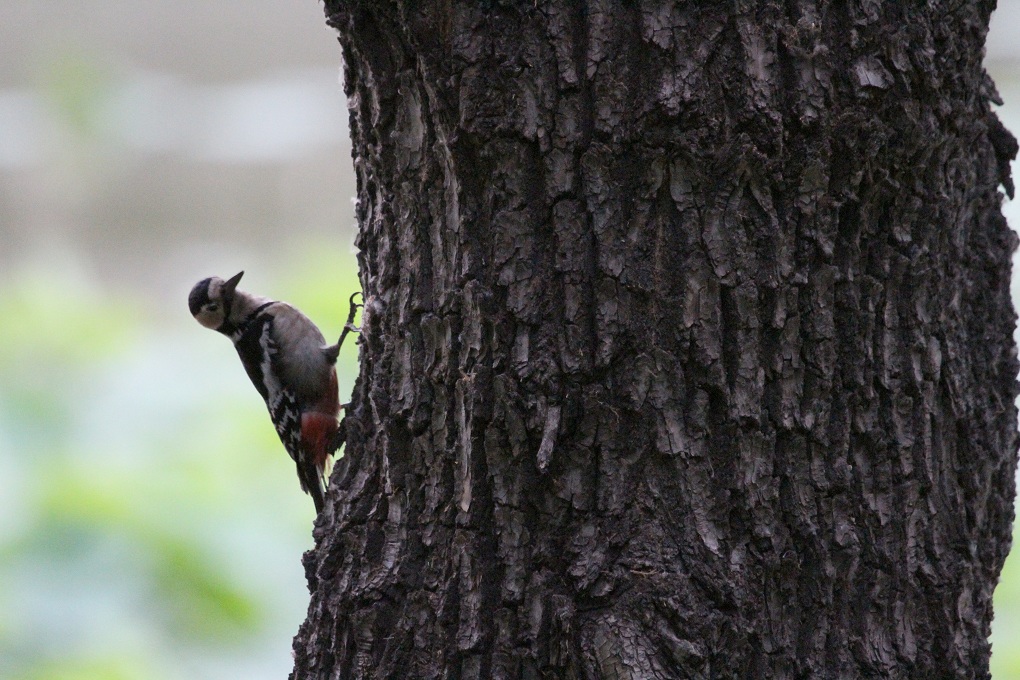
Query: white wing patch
point(283, 408)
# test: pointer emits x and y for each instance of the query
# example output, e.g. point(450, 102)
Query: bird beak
point(230, 284)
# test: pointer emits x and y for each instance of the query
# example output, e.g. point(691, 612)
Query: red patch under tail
point(317, 433)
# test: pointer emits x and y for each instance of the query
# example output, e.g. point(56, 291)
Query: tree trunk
point(687, 346)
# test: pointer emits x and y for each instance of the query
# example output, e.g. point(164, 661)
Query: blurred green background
point(151, 525)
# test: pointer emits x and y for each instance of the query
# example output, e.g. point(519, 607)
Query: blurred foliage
point(1006, 626)
point(95, 668)
point(79, 88)
point(150, 513)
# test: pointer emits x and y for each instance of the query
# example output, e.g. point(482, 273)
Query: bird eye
point(212, 307)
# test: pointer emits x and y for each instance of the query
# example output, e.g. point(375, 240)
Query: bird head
point(211, 298)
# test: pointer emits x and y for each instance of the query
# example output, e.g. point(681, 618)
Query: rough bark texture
point(688, 343)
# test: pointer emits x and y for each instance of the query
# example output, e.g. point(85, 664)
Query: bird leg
point(341, 433)
point(333, 351)
point(349, 326)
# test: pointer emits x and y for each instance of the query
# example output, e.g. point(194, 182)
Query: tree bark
point(687, 347)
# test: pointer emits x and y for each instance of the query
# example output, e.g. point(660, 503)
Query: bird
point(293, 368)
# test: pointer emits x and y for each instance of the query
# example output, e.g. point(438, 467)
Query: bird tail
point(318, 431)
point(311, 484)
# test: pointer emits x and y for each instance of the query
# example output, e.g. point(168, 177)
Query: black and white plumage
point(290, 364)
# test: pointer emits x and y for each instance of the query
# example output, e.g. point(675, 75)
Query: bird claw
point(340, 438)
point(349, 326)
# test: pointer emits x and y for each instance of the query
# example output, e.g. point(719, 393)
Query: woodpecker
point(290, 364)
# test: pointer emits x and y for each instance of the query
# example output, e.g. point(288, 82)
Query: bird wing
point(277, 376)
point(281, 401)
